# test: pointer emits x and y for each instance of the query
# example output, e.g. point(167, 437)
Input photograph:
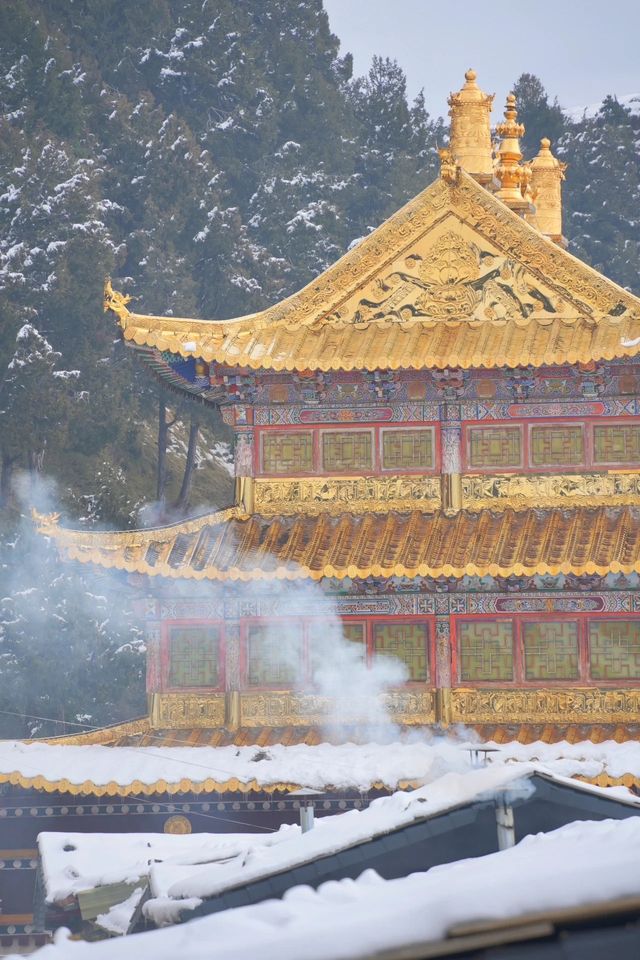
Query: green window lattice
point(194, 654)
point(614, 647)
point(407, 449)
point(485, 649)
point(407, 642)
point(274, 654)
point(550, 650)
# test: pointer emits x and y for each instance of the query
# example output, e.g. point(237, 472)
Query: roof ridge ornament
point(449, 167)
point(513, 178)
point(547, 174)
point(470, 138)
point(115, 301)
point(45, 521)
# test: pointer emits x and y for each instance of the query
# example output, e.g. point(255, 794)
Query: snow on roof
point(72, 862)
point(348, 766)
point(582, 863)
point(335, 833)
point(345, 767)
point(202, 865)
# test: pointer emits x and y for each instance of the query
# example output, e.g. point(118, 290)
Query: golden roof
point(234, 546)
point(454, 278)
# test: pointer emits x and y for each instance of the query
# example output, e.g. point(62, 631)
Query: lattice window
point(616, 443)
point(556, 446)
point(274, 654)
point(321, 647)
point(485, 649)
point(287, 452)
point(615, 649)
point(348, 450)
point(407, 642)
point(194, 655)
point(550, 650)
point(407, 449)
point(494, 447)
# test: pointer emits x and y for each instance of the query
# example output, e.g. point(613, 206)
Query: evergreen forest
point(212, 157)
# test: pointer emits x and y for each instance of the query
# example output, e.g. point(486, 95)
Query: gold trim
point(245, 494)
point(335, 495)
point(182, 711)
point(550, 705)
point(286, 708)
point(498, 543)
point(523, 491)
point(451, 484)
point(104, 736)
point(577, 315)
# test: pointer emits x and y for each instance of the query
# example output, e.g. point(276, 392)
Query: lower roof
point(133, 759)
point(232, 545)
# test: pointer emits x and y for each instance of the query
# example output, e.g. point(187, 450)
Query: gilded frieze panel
point(187, 710)
point(285, 708)
point(551, 490)
point(577, 705)
point(337, 494)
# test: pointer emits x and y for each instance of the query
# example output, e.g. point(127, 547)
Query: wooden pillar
point(232, 674)
point(243, 469)
point(443, 668)
point(451, 468)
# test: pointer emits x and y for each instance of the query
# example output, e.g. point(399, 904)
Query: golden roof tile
point(454, 278)
point(581, 540)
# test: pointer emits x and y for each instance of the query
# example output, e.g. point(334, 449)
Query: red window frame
point(519, 676)
point(609, 422)
point(470, 425)
point(165, 666)
point(376, 469)
point(307, 622)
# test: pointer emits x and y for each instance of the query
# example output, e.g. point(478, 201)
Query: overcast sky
point(580, 49)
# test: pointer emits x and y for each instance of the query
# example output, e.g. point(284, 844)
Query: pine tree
point(604, 178)
point(540, 118)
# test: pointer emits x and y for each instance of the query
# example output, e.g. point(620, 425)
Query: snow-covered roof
point(103, 770)
point(121, 770)
point(189, 868)
point(74, 862)
point(582, 863)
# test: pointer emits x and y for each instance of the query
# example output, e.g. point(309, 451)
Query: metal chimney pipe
point(307, 818)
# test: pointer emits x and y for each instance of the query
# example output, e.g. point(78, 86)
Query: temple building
point(441, 434)
point(437, 445)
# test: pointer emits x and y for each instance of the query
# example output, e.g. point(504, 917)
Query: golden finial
point(547, 174)
point(470, 112)
point(115, 301)
point(509, 171)
point(449, 169)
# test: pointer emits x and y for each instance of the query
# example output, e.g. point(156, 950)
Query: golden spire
point(509, 171)
point(471, 129)
point(547, 174)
